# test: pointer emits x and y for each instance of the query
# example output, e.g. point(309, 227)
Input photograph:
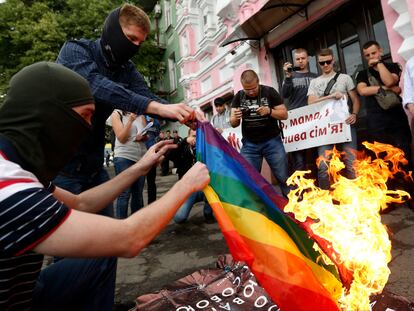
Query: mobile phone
point(294, 68)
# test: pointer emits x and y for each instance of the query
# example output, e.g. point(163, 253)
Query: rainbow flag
point(257, 231)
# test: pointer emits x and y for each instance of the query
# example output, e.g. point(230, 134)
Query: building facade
point(220, 39)
point(164, 21)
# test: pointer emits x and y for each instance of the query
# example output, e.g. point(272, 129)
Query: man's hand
point(198, 116)
point(180, 112)
point(237, 113)
point(286, 67)
point(337, 95)
point(395, 89)
point(264, 111)
point(196, 178)
point(351, 119)
point(155, 154)
point(373, 62)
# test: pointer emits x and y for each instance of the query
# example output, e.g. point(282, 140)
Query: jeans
point(76, 284)
point(349, 148)
point(298, 159)
point(274, 153)
point(134, 192)
point(182, 214)
point(60, 280)
point(151, 185)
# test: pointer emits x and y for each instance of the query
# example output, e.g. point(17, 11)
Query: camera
point(294, 68)
point(245, 111)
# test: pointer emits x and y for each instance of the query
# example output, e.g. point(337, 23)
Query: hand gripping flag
point(257, 231)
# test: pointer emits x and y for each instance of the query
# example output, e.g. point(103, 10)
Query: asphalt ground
point(182, 249)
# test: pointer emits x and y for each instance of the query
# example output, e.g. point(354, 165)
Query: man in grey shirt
point(343, 86)
point(295, 89)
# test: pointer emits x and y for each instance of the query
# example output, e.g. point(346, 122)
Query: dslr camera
point(294, 68)
point(245, 111)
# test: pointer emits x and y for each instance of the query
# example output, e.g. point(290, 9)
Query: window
point(167, 11)
point(226, 73)
point(172, 71)
point(380, 31)
point(206, 85)
point(184, 45)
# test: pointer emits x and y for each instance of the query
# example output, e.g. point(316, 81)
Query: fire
point(348, 217)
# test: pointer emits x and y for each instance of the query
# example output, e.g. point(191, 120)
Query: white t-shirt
point(343, 84)
point(132, 150)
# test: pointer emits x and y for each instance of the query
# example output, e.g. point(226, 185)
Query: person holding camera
point(261, 107)
point(295, 88)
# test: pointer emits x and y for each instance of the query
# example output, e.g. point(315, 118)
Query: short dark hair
point(219, 101)
point(370, 43)
point(301, 50)
point(325, 52)
point(249, 76)
point(175, 131)
point(133, 15)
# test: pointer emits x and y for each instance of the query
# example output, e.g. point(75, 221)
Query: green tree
point(32, 31)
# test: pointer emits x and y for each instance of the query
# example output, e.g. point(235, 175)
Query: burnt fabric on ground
point(232, 286)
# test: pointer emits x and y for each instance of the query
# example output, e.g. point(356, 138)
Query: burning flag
point(348, 217)
point(258, 232)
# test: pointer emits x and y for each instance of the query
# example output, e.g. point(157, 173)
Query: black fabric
point(37, 117)
point(330, 84)
point(372, 106)
point(258, 128)
point(117, 47)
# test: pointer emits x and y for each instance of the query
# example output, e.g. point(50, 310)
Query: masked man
point(47, 113)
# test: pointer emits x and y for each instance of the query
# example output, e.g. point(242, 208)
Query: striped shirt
point(28, 215)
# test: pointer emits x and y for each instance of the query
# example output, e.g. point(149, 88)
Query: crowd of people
point(56, 195)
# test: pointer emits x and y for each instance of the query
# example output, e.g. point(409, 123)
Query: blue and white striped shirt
point(28, 215)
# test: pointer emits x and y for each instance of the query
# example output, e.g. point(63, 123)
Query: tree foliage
point(32, 31)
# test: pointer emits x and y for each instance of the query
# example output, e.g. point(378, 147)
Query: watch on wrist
point(381, 91)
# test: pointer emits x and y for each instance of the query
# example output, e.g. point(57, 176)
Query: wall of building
point(399, 19)
point(169, 86)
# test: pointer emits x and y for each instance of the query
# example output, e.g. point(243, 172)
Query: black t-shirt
point(379, 118)
point(258, 128)
point(371, 103)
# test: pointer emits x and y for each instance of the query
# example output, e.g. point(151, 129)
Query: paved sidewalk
point(182, 249)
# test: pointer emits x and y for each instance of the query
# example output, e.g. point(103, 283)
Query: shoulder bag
point(386, 99)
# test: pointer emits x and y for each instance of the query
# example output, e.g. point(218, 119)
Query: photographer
point(261, 107)
point(295, 89)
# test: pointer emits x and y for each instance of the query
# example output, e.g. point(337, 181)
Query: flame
point(348, 217)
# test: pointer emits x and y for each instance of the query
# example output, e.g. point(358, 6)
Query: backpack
point(386, 99)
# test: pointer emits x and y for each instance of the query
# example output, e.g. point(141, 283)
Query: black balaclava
point(117, 48)
point(38, 119)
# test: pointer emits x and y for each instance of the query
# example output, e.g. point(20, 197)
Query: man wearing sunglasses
point(332, 85)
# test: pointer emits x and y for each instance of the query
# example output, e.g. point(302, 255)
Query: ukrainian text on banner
point(316, 125)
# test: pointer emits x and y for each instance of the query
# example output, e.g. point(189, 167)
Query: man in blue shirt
point(115, 84)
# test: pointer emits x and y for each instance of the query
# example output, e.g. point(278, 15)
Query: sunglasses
point(325, 62)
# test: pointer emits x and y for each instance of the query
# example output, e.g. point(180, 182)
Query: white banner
point(316, 125)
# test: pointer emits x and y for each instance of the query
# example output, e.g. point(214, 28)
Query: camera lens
point(290, 69)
